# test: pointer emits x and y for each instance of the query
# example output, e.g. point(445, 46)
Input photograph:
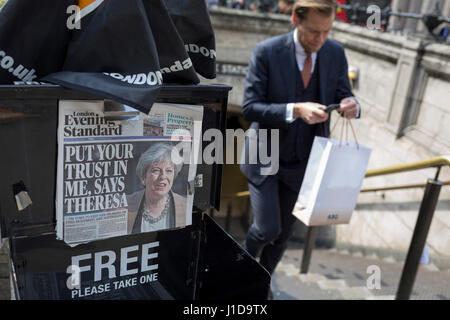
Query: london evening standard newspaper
point(101, 192)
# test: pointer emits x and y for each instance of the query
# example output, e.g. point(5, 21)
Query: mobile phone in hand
point(332, 107)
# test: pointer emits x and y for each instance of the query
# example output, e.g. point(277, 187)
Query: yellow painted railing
point(427, 208)
point(438, 162)
point(2, 3)
point(431, 163)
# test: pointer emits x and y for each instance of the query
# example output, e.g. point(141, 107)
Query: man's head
point(313, 20)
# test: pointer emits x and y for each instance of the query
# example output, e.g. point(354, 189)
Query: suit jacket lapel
point(324, 67)
point(289, 64)
point(324, 64)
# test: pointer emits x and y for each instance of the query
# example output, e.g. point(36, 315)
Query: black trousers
point(273, 223)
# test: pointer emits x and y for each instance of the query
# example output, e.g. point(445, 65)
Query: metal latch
point(196, 183)
point(23, 199)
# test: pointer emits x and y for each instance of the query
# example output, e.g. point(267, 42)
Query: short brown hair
point(325, 7)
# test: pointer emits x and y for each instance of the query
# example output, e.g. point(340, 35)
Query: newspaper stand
point(198, 262)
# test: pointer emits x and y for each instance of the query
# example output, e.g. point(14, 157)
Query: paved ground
point(332, 275)
point(4, 276)
point(339, 275)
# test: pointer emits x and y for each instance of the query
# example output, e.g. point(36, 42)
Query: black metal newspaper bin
point(197, 262)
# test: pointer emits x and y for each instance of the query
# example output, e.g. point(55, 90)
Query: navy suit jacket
point(270, 86)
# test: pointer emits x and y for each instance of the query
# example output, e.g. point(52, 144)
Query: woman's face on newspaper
point(159, 178)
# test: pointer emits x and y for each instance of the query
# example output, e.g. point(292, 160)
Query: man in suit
point(290, 81)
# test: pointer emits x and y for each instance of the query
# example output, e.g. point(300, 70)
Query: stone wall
point(404, 88)
point(403, 25)
point(237, 32)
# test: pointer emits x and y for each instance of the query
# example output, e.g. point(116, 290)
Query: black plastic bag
point(192, 20)
point(116, 54)
point(121, 50)
point(167, 39)
point(33, 39)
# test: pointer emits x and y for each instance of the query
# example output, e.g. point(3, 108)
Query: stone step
point(311, 277)
point(332, 284)
point(293, 271)
point(355, 293)
point(381, 297)
point(340, 287)
point(3, 258)
point(5, 291)
point(4, 271)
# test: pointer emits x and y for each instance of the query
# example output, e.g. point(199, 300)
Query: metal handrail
point(438, 162)
point(402, 187)
point(421, 229)
point(2, 3)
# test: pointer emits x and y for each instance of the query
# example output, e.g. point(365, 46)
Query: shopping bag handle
point(353, 131)
point(347, 123)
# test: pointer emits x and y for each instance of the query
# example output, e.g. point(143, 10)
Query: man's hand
point(349, 108)
point(310, 112)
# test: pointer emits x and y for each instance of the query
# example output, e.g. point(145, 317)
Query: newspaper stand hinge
point(196, 183)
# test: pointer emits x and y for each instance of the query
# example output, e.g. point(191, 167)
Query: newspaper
point(123, 172)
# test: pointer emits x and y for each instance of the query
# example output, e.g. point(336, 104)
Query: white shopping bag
point(332, 182)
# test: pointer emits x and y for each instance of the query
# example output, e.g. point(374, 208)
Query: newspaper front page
point(123, 172)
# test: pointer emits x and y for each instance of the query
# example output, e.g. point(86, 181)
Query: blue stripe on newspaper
point(66, 215)
point(117, 138)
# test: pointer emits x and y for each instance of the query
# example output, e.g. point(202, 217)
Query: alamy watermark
point(374, 280)
point(374, 20)
point(74, 281)
point(74, 20)
point(221, 149)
